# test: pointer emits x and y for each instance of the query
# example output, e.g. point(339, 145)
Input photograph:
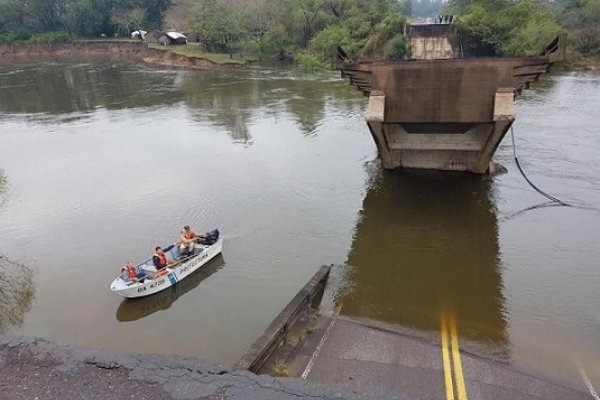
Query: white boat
point(180, 266)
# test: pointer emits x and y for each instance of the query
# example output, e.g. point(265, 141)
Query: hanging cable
point(554, 199)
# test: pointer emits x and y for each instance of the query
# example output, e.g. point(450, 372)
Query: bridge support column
point(450, 146)
point(375, 117)
point(504, 116)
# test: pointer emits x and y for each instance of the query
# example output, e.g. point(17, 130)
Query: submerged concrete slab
point(367, 357)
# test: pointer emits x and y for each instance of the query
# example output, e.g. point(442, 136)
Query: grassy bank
point(191, 50)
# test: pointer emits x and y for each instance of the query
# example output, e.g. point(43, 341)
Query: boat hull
point(173, 275)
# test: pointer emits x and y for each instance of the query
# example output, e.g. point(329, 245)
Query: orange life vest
point(162, 258)
point(189, 235)
point(131, 270)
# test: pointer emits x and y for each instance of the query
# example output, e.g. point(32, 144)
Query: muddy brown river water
point(106, 160)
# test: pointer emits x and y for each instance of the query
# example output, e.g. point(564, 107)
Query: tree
point(218, 25)
point(127, 21)
point(11, 15)
point(259, 18)
point(309, 15)
point(155, 11)
point(496, 28)
point(325, 44)
point(86, 19)
point(580, 18)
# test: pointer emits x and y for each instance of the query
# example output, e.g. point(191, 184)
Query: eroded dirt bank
point(38, 369)
point(93, 49)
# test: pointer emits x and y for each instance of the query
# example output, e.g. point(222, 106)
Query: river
point(106, 160)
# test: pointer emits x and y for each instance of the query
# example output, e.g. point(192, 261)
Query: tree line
point(312, 30)
point(512, 28)
point(56, 20)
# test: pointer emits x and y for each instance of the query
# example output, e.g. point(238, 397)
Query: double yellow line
point(450, 348)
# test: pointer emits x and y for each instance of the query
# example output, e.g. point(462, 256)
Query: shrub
point(311, 62)
point(14, 36)
point(396, 48)
point(49, 37)
point(516, 29)
point(325, 44)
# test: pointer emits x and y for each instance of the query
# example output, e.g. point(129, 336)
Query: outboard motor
point(209, 238)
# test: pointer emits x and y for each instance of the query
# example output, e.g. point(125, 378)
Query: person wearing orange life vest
point(187, 240)
point(159, 258)
point(130, 273)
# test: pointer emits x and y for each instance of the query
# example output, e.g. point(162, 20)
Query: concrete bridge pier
point(444, 113)
point(446, 146)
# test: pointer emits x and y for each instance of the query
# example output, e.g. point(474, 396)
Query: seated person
point(130, 273)
point(159, 258)
point(187, 240)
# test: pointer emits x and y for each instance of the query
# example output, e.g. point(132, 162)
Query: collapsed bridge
point(436, 112)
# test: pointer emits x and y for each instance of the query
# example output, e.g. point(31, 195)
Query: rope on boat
point(551, 198)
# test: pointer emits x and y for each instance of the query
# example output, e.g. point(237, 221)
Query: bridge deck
point(374, 359)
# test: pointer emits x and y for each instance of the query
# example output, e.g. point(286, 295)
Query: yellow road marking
point(458, 373)
point(446, 360)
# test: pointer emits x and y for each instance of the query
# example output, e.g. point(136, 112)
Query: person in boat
point(130, 273)
point(188, 240)
point(159, 259)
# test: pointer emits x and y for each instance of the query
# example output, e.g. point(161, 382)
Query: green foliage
point(11, 17)
point(311, 62)
point(310, 17)
point(314, 29)
point(363, 30)
point(219, 27)
point(581, 20)
point(378, 44)
point(498, 28)
point(49, 37)
point(85, 18)
point(19, 19)
point(14, 36)
point(324, 45)
point(396, 48)
point(360, 27)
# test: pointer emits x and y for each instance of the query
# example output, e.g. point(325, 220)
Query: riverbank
point(183, 56)
point(582, 64)
point(170, 56)
point(35, 368)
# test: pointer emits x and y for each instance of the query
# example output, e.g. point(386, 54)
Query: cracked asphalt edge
point(178, 377)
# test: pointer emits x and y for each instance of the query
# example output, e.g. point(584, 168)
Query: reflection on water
point(59, 89)
point(80, 144)
point(17, 292)
point(134, 309)
point(228, 98)
point(426, 242)
point(131, 153)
